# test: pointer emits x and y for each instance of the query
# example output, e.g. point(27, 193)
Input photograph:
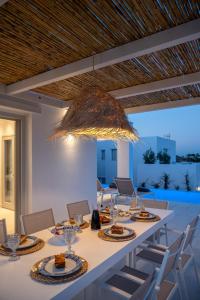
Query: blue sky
point(183, 124)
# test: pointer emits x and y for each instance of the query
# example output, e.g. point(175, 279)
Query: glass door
point(8, 168)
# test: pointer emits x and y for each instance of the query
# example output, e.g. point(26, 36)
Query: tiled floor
point(9, 215)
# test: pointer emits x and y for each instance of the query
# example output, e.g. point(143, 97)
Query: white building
point(148, 173)
point(156, 144)
point(106, 161)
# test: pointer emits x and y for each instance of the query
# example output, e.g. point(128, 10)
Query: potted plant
point(166, 181)
point(187, 182)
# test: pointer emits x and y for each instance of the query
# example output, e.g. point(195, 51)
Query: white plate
point(29, 242)
point(137, 215)
point(72, 264)
point(127, 232)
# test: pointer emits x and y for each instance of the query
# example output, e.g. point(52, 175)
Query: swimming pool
point(174, 196)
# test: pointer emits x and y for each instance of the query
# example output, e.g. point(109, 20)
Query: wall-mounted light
point(70, 139)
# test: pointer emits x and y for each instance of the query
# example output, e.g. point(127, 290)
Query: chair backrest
point(189, 233)
point(38, 221)
point(146, 288)
point(3, 231)
point(152, 284)
point(76, 208)
point(99, 186)
point(170, 259)
point(155, 204)
point(125, 186)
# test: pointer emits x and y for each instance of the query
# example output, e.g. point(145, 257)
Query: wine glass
point(78, 220)
point(69, 235)
point(13, 241)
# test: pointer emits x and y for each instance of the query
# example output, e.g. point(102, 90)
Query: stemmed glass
point(12, 243)
point(69, 235)
point(78, 220)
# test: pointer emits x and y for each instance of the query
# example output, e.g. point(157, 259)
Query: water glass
point(78, 219)
point(137, 198)
point(114, 216)
point(12, 243)
point(113, 200)
point(69, 236)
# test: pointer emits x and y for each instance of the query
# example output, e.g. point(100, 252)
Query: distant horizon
point(182, 124)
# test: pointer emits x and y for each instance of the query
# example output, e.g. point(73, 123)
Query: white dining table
point(16, 283)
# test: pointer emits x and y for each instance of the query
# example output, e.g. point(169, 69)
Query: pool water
point(174, 196)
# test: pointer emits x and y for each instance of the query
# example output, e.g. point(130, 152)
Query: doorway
point(8, 173)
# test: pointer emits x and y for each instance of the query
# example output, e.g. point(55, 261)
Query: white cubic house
point(148, 173)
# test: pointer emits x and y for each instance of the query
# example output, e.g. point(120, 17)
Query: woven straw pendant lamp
point(96, 114)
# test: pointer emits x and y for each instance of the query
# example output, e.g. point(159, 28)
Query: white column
point(124, 159)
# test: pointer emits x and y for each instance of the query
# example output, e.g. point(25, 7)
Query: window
point(114, 154)
point(103, 154)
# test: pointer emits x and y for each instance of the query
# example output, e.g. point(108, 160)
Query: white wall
point(125, 159)
point(106, 168)
point(153, 173)
point(62, 172)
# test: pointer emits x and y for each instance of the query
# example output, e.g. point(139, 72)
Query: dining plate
point(47, 266)
point(127, 232)
point(149, 217)
point(30, 241)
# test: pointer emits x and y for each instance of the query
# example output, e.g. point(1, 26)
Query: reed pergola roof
point(179, 60)
point(181, 93)
point(38, 36)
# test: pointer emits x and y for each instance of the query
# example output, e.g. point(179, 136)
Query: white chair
point(162, 231)
point(38, 221)
point(99, 186)
point(187, 255)
point(76, 208)
point(3, 231)
point(154, 253)
point(133, 284)
point(125, 189)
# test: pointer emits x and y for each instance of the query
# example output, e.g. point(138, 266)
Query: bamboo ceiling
point(180, 93)
point(179, 60)
point(40, 35)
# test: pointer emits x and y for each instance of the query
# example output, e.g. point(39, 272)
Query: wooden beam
point(155, 86)
point(38, 98)
point(156, 42)
point(165, 105)
point(17, 103)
